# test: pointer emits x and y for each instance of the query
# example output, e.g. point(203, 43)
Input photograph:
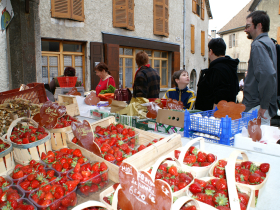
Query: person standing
point(220, 80)
point(181, 92)
point(260, 86)
point(146, 81)
point(102, 71)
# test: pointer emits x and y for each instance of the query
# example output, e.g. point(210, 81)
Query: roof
point(238, 21)
point(208, 9)
point(254, 5)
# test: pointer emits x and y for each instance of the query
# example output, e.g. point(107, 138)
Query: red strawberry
point(254, 178)
point(246, 164)
point(210, 158)
point(222, 163)
point(200, 182)
point(264, 167)
point(195, 188)
point(221, 184)
point(220, 199)
point(173, 170)
point(244, 198)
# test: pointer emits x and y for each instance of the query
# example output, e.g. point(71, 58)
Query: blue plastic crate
point(213, 140)
point(224, 128)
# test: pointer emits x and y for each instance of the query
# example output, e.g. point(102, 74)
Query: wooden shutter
point(70, 9)
point(78, 10)
point(194, 6)
point(202, 9)
point(236, 40)
point(278, 35)
point(112, 60)
point(202, 43)
point(192, 39)
point(230, 41)
point(123, 14)
point(61, 8)
point(96, 55)
point(175, 64)
point(161, 17)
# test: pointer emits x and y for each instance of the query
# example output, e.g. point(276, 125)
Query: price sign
point(230, 109)
point(140, 191)
point(49, 114)
point(83, 132)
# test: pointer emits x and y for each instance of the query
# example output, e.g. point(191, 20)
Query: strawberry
point(246, 164)
point(210, 158)
point(173, 171)
point(188, 208)
point(71, 185)
point(141, 147)
point(195, 188)
point(254, 178)
point(200, 182)
point(201, 157)
point(109, 157)
point(221, 184)
point(222, 163)
point(264, 167)
point(77, 153)
point(243, 197)
point(220, 199)
point(103, 166)
point(193, 150)
point(222, 208)
point(182, 185)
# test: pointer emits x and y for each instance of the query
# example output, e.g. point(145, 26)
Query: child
point(181, 92)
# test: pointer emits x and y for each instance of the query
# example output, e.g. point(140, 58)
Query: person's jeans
point(264, 121)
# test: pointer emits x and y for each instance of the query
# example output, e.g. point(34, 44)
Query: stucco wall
point(4, 79)
point(272, 8)
point(98, 18)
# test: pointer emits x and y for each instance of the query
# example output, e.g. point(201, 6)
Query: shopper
point(106, 79)
point(68, 71)
point(181, 92)
point(146, 81)
point(219, 81)
point(260, 87)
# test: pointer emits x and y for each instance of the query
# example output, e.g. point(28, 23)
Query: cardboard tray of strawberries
point(149, 154)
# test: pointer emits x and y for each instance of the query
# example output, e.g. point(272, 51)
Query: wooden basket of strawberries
point(186, 203)
point(248, 174)
point(28, 140)
point(214, 193)
point(195, 159)
point(109, 197)
point(90, 205)
point(7, 163)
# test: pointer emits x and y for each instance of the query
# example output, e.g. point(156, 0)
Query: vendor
point(181, 92)
point(106, 79)
point(68, 71)
point(147, 80)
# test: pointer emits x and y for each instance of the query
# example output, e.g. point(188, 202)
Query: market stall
point(108, 160)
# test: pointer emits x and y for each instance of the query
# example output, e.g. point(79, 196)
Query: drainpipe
point(184, 34)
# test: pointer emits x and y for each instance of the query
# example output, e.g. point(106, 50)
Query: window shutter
point(61, 8)
point(96, 55)
point(236, 40)
point(78, 10)
point(112, 60)
point(202, 9)
point(123, 14)
point(278, 35)
point(194, 6)
point(166, 19)
point(192, 39)
point(230, 41)
point(175, 64)
point(161, 16)
point(202, 43)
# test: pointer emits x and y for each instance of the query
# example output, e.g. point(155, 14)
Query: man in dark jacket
point(147, 81)
point(219, 81)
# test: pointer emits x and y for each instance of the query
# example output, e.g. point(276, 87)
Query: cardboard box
point(247, 143)
point(147, 124)
point(169, 129)
point(71, 104)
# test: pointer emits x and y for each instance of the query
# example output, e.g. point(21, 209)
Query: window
point(57, 55)
point(123, 14)
point(192, 39)
point(69, 9)
point(198, 7)
point(161, 17)
point(128, 66)
point(233, 40)
point(202, 43)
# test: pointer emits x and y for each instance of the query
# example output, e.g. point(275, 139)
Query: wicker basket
point(23, 153)
point(7, 163)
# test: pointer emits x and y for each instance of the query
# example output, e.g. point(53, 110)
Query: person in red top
point(106, 79)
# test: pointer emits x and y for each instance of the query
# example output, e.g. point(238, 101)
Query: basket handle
point(14, 123)
point(230, 173)
point(182, 201)
point(115, 197)
point(159, 161)
point(188, 145)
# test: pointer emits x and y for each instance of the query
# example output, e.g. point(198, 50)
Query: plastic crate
point(224, 128)
point(36, 94)
point(67, 81)
point(212, 139)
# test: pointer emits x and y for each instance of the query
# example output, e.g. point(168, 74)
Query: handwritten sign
point(49, 114)
point(140, 191)
point(92, 99)
point(230, 109)
point(174, 104)
point(73, 91)
point(254, 129)
point(83, 132)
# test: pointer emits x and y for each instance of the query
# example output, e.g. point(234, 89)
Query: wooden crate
point(7, 163)
point(141, 160)
point(58, 137)
point(72, 106)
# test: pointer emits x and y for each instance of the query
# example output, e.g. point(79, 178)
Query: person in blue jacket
point(182, 92)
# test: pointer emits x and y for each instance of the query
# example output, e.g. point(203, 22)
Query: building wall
point(98, 18)
point(272, 8)
point(4, 79)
